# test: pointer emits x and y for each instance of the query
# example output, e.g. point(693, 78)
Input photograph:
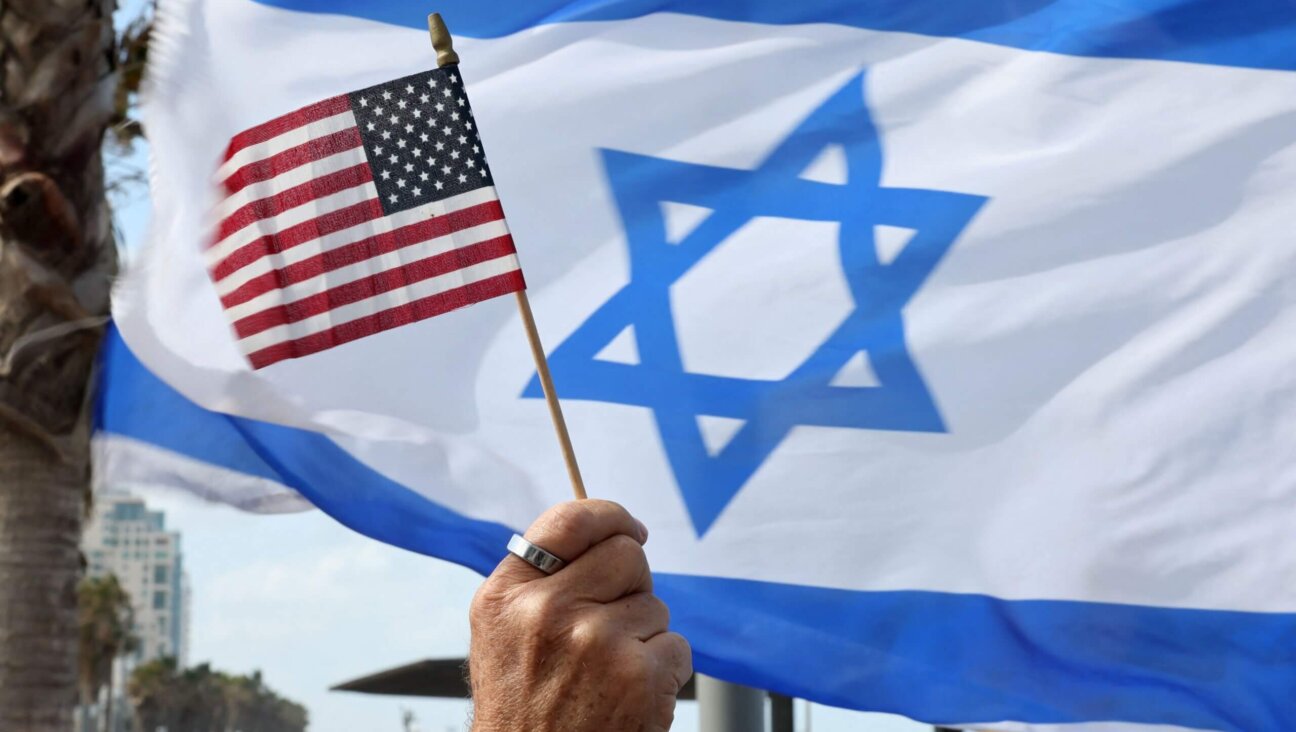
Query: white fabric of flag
point(945, 350)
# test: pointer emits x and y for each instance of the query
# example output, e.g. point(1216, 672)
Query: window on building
point(160, 574)
point(159, 600)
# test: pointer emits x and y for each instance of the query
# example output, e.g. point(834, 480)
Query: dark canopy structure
point(445, 678)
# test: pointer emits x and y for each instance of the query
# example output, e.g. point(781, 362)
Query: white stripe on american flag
point(292, 178)
point(380, 303)
point(285, 141)
point(329, 242)
point(299, 215)
point(326, 243)
point(365, 268)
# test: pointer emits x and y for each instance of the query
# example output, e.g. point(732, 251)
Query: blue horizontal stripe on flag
point(134, 403)
point(939, 657)
point(1247, 33)
point(947, 658)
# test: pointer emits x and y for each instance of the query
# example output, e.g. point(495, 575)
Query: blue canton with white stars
point(768, 409)
point(421, 139)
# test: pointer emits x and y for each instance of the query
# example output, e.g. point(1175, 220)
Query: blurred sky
point(311, 603)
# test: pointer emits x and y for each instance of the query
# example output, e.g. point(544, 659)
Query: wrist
point(484, 720)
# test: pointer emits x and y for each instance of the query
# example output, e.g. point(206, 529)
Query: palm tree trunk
point(40, 517)
point(56, 261)
point(108, 725)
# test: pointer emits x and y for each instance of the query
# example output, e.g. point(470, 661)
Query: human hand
point(583, 650)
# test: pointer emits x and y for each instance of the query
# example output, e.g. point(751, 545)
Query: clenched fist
point(586, 649)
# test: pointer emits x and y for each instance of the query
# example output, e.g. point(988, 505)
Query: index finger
point(569, 529)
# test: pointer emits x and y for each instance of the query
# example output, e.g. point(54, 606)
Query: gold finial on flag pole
point(441, 41)
point(446, 56)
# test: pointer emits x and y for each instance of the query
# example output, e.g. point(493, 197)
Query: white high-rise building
point(124, 538)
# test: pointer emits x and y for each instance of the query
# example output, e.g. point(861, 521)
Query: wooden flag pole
point(446, 56)
point(551, 396)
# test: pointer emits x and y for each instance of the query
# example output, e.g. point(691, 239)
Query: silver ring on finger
point(535, 556)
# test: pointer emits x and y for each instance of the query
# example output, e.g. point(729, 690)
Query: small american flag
point(358, 214)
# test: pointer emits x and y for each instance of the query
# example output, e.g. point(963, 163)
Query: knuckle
point(683, 649)
point(660, 610)
point(683, 657)
point(624, 557)
point(569, 519)
point(484, 607)
point(626, 549)
point(633, 560)
point(675, 655)
point(592, 638)
point(538, 611)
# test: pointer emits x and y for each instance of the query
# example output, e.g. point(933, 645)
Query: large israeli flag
point(948, 348)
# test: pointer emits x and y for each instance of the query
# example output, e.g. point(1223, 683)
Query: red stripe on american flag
point(415, 311)
point(376, 284)
point(317, 149)
point(316, 188)
point(365, 249)
point(306, 231)
point(287, 123)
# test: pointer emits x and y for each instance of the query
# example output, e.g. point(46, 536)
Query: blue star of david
point(900, 400)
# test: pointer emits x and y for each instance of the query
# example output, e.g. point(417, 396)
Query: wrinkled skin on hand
point(585, 650)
